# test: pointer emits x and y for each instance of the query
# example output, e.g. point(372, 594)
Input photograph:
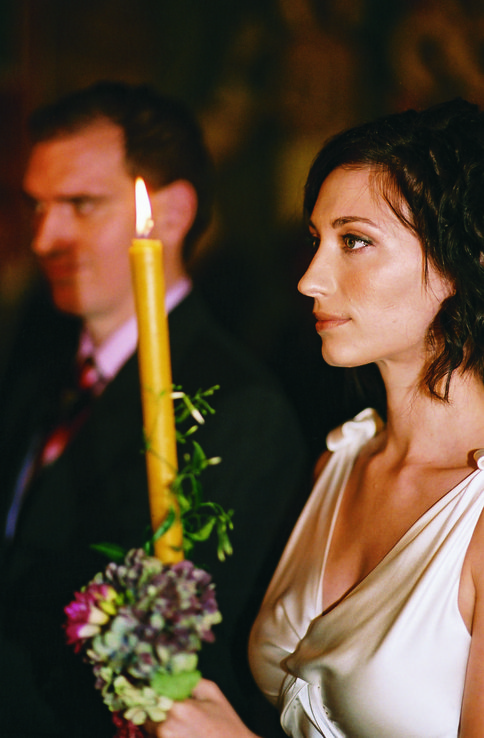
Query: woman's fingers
point(206, 714)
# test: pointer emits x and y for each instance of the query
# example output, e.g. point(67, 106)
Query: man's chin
point(66, 302)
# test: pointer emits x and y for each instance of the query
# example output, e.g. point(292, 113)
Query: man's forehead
point(90, 157)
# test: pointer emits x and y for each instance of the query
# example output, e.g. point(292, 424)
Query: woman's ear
point(174, 210)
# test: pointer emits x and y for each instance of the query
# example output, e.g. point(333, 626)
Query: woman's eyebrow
point(338, 222)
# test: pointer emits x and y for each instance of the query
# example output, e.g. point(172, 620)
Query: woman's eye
point(353, 243)
point(313, 241)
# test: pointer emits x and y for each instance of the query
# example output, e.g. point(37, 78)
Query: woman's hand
point(206, 714)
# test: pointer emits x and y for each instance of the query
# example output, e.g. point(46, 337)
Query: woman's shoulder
point(474, 562)
point(321, 463)
point(358, 430)
point(348, 439)
point(354, 434)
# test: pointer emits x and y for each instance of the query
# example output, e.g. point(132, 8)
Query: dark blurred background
point(270, 81)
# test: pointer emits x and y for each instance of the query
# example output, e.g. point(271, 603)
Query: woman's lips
point(326, 322)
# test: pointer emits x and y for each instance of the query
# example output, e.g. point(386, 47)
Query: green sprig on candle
point(200, 518)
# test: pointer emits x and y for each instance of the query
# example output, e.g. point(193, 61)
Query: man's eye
point(37, 212)
point(84, 205)
point(353, 243)
point(37, 208)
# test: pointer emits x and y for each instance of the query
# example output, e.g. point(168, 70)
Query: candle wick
point(147, 228)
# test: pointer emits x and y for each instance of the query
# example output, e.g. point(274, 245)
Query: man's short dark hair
point(163, 140)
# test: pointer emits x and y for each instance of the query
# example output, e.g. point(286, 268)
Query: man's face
point(84, 221)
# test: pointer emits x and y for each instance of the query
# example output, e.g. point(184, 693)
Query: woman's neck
point(420, 426)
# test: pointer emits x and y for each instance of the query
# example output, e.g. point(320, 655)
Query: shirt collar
point(177, 293)
point(115, 351)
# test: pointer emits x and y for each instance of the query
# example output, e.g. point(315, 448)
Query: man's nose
point(52, 230)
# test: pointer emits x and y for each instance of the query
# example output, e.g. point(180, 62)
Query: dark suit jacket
point(96, 491)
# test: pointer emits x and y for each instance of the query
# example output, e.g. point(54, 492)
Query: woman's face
point(372, 302)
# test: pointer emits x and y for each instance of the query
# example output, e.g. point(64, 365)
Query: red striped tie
point(76, 406)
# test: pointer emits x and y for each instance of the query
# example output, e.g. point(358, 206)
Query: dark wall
point(270, 81)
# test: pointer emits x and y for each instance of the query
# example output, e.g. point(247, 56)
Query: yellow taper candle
point(146, 258)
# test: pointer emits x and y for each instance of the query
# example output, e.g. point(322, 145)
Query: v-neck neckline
point(393, 551)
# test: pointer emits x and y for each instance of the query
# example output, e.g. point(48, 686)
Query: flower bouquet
point(140, 622)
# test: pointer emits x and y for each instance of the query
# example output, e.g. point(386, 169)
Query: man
point(87, 150)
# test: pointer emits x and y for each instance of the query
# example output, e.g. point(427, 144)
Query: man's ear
point(174, 210)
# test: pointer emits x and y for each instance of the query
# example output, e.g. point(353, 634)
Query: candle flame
point(144, 221)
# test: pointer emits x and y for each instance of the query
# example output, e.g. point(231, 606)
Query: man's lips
point(59, 269)
point(325, 322)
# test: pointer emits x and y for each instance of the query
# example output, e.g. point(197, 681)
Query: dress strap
point(364, 426)
point(479, 458)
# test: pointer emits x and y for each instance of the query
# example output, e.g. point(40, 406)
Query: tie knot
point(88, 376)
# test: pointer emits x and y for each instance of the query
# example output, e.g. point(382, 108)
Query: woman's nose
point(319, 278)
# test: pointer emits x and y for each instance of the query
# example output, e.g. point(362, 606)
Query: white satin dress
point(389, 660)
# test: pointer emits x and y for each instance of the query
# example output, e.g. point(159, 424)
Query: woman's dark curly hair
point(430, 169)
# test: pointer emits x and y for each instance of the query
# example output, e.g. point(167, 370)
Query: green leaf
point(175, 686)
point(204, 532)
point(198, 454)
point(111, 550)
point(166, 524)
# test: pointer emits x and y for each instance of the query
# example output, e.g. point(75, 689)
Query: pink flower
point(126, 729)
point(92, 608)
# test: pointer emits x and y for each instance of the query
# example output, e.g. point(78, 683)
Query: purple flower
point(140, 624)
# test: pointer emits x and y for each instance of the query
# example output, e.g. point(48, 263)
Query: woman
point(373, 625)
